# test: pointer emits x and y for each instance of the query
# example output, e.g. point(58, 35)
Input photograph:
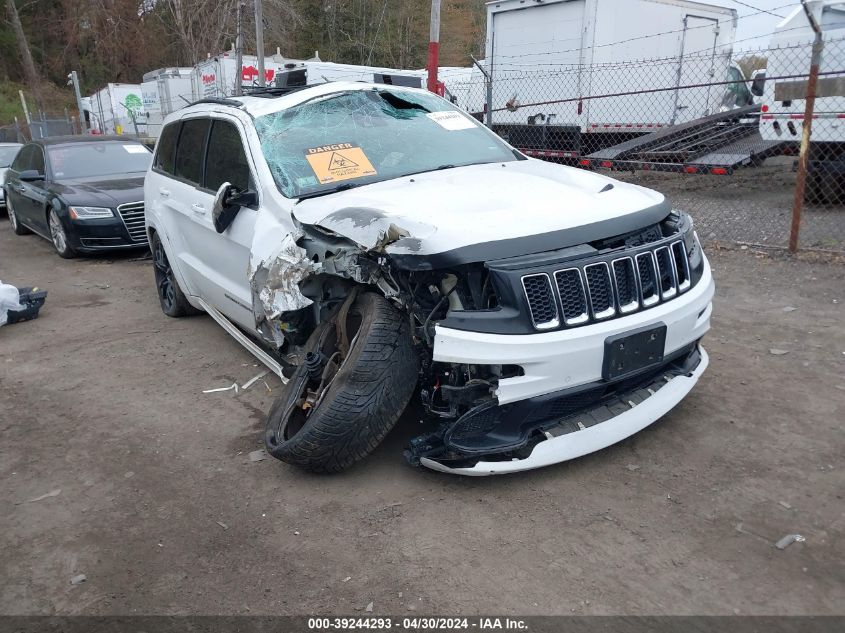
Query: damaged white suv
point(372, 244)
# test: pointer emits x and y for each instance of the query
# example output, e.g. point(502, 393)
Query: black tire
point(17, 227)
point(170, 296)
point(370, 391)
point(58, 235)
point(824, 188)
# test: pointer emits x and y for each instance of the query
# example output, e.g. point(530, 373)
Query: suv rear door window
point(166, 150)
point(191, 149)
point(226, 158)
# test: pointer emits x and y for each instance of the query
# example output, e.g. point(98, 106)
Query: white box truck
point(118, 108)
point(783, 100)
point(217, 77)
point(547, 57)
point(164, 91)
point(321, 72)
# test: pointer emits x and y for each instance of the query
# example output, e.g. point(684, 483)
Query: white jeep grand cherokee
point(371, 243)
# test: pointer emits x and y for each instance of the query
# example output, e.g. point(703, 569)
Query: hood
point(101, 191)
point(485, 211)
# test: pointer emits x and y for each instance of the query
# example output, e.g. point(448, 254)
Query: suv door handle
point(164, 193)
point(198, 208)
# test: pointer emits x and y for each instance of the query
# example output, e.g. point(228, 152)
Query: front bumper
point(590, 439)
point(100, 234)
point(563, 360)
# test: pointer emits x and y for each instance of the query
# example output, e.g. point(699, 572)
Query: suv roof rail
point(220, 101)
point(272, 91)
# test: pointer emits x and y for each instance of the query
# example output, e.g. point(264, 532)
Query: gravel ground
point(754, 205)
point(115, 465)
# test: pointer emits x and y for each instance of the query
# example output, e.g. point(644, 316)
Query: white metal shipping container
point(789, 53)
point(560, 50)
point(118, 108)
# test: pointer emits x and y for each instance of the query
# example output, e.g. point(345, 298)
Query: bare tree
point(31, 75)
point(202, 26)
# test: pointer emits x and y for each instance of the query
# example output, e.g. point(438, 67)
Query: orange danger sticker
point(343, 161)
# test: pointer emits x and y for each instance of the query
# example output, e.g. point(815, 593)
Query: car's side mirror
point(228, 202)
point(30, 175)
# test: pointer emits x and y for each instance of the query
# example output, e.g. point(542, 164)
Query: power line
point(745, 4)
point(645, 37)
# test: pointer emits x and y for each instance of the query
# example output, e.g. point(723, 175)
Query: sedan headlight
point(89, 213)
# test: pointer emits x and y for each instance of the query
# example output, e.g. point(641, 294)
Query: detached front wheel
point(359, 375)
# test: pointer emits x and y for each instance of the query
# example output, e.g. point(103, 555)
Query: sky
point(757, 26)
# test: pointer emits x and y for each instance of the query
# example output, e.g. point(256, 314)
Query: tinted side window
point(166, 150)
point(226, 158)
point(23, 159)
point(190, 150)
point(37, 162)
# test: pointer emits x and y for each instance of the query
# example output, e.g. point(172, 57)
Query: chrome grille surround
point(132, 214)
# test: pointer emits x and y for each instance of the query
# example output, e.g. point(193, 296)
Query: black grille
point(604, 289)
point(664, 268)
point(133, 217)
point(601, 291)
point(645, 267)
point(572, 297)
point(681, 265)
point(541, 301)
point(626, 281)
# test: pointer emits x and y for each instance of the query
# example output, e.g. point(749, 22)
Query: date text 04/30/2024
point(420, 623)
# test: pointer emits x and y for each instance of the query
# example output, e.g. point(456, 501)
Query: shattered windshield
point(359, 137)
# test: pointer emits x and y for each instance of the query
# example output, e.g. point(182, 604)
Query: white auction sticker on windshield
point(135, 149)
point(451, 120)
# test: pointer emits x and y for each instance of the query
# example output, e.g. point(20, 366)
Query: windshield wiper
point(325, 192)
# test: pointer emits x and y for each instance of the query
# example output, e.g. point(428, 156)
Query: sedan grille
point(601, 290)
point(132, 215)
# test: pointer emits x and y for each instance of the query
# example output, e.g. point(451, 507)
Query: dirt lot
point(102, 400)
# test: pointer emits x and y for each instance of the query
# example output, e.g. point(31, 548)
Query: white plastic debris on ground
point(9, 300)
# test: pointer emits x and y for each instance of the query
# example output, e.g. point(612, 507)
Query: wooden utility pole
point(433, 46)
point(807, 131)
point(29, 71)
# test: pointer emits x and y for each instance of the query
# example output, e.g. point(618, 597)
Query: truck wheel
point(170, 296)
point(823, 188)
point(342, 401)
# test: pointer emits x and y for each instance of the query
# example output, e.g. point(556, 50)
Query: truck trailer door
point(696, 65)
point(523, 41)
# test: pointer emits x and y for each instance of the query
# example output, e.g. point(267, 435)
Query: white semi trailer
point(546, 58)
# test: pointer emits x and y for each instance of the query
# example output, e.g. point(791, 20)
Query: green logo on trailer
point(133, 103)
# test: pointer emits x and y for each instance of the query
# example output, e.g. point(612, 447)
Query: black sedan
point(83, 193)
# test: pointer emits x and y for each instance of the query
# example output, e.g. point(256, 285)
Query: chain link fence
point(719, 134)
point(41, 126)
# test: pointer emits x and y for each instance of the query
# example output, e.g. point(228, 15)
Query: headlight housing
point(89, 213)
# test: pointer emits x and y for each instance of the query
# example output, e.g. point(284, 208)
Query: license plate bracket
point(633, 351)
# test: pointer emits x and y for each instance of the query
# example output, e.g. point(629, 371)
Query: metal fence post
point(488, 85)
point(807, 131)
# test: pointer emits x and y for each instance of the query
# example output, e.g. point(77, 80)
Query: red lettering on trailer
point(208, 79)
